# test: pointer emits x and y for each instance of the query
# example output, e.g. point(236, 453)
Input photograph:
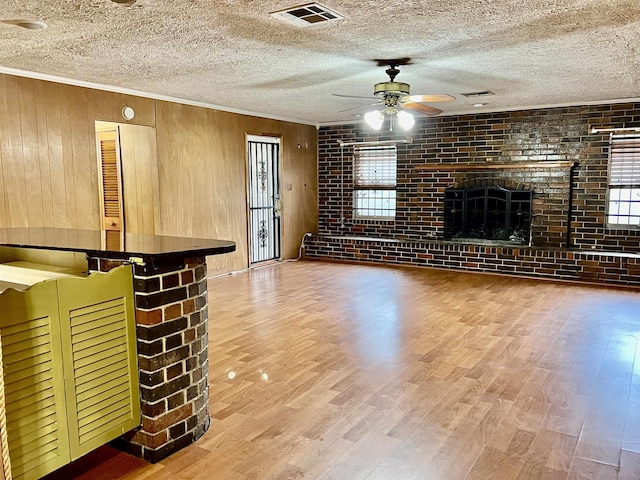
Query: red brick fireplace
point(551, 152)
point(487, 212)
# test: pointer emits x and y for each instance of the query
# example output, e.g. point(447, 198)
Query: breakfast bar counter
point(171, 316)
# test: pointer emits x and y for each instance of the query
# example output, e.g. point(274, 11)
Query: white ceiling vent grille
point(307, 14)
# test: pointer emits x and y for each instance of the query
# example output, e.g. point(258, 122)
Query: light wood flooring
point(356, 372)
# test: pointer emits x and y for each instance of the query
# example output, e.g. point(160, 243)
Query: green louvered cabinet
point(34, 381)
point(70, 364)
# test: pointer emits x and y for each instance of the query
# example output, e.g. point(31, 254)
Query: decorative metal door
point(264, 199)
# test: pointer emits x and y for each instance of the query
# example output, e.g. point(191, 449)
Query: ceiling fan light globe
point(406, 120)
point(374, 119)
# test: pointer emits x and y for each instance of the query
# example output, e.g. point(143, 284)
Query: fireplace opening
point(489, 213)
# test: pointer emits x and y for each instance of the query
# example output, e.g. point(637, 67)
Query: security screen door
point(264, 199)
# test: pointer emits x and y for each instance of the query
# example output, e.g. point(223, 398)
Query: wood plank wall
point(48, 151)
point(48, 165)
point(140, 178)
point(202, 163)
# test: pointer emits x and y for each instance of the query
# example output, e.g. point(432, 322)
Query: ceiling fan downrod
point(392, 71)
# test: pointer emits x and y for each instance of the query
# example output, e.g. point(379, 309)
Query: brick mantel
point(465, 167)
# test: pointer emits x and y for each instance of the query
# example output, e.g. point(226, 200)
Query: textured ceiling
point(231, 54)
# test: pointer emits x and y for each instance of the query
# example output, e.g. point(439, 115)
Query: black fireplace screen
point(489, 213)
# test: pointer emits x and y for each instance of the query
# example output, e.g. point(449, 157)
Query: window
point(623, 206)
point(374, 182)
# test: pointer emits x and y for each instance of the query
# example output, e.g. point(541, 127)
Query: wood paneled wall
point(48, 160)
point(139, 178)
point(300, 173)
point(202, 170)
point(48, 165)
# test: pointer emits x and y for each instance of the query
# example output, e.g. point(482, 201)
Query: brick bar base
point(560, 264)
point(171, 318)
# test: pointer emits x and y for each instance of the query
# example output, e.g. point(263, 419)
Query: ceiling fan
point(395, 99)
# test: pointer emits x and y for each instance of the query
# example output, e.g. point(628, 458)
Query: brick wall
point(558, 134)
point(560, 264)
point(171, 318)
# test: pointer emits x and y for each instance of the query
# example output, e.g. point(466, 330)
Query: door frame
point(104, 129)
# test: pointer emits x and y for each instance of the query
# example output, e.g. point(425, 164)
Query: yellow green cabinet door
point(100, 361)
point(34, 381)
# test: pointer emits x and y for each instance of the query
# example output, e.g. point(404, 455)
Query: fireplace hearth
point(488, 213)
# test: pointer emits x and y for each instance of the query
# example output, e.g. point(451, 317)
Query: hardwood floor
point(336, 371)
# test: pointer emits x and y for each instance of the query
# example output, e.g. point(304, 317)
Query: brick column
point(171, 318)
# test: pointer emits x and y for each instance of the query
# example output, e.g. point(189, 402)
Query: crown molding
point(139, 93)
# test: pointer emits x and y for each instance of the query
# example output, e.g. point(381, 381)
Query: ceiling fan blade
point(353, 96)
point(359, 106)
point(438, 97)
point(424, 109)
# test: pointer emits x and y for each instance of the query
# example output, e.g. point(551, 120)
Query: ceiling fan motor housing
point(385, 88)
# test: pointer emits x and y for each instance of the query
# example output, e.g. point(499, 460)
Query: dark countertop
point(113, 244)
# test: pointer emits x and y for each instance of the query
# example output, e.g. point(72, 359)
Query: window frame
point(379, 184)
point(623, 173)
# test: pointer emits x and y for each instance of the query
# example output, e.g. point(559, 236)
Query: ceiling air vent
point(308, 14)
point(482, 93)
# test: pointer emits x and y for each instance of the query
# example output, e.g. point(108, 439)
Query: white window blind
point(375, 166)
point(374, 178)
point(624, 164)
point(623, 206)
